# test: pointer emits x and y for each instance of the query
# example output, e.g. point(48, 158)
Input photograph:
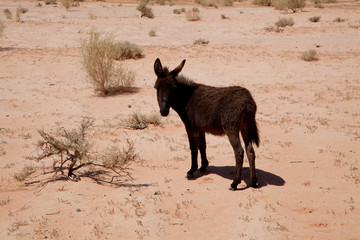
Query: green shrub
point(309, 55)
point(283, 22)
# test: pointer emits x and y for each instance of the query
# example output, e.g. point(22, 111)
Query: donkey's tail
point(253, 132)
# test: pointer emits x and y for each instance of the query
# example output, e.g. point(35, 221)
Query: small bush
point(224, 17)
point(21, 10)
point(48, 2)
point(309, 55)
point(152, 32)
point(66, 4)
point(339, 19)
point(283, 22)
point(25, 173)
point(177, 11)
point(207, 3)
point(315, 19)
point(70, 150)
point(201, 41)
point(140, 121)
point(125, 50)
point(262, 2)
point(2, 26)
point(296, 4)
point(145, 11)
point(193, 15)
point(99, 64)
point(228, 3)
point(7, 13)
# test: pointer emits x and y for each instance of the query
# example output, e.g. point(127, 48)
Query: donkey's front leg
point(193, 136)
point(202, 148)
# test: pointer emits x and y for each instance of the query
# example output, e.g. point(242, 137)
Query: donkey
point(215, 110)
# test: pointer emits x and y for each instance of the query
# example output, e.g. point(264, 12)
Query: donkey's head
point(165, 85)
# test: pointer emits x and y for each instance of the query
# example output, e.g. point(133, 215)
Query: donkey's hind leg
point(202, 148)
point(250, 155)
point(234, 139)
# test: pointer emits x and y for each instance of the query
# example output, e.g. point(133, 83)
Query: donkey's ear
point(178, 69)
point(158, 67)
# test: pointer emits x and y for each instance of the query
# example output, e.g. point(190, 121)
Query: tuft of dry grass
point(25, 173)
point(309, 55)
point(152, 32)
point(7, 13)
point(19, 11)
point(283, 22)
point(201, 41)
point(193, 15)
point(141, 121)
point(339, 19)
point(48, 2)
point(315, 19)
point(2, 26)
point(98, 54)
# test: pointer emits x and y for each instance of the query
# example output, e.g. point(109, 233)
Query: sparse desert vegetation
point(284, 22)
point(309, 55)
point(98, 56)
point(131, 181)
point(145, 10)
point(193, 14)
point(315, 19)
point(7, 13)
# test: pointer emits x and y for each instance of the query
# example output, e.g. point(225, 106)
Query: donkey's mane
point(186, 81)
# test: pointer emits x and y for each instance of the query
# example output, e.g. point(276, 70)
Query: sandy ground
point(308, 115)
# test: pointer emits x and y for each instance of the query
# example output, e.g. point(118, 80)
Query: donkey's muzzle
point(164, 109)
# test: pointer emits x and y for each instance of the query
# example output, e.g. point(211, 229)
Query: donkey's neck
point(183, 93)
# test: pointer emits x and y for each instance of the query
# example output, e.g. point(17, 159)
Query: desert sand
point(308, 116)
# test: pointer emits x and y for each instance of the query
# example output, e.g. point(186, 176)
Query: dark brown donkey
point(219, 111)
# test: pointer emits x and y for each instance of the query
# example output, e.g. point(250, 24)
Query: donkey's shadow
point(265, 178)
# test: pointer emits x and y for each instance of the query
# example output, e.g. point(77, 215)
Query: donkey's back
point(213, 109)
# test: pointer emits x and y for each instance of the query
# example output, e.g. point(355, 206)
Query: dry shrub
point(283, 22)
point(141, 121)
point(201, 41)
point(294, 5)
point(48, 2)
point(99, 64)
point(193, 15)
point(70, 150)
point(262, 2)
point(339, 19)
point(2, 26)
point(315, 19)
point(126, 50)
point(309, 55)
point(207, 3)
point(19, 11)
point(25, 173)
point(152, 32)
point(145, 11)
point(67, 4)
point(7, 13)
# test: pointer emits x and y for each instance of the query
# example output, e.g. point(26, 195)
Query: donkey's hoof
point(232, 189)
point(73, 177)
point(189, 175)
point(202, 169)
